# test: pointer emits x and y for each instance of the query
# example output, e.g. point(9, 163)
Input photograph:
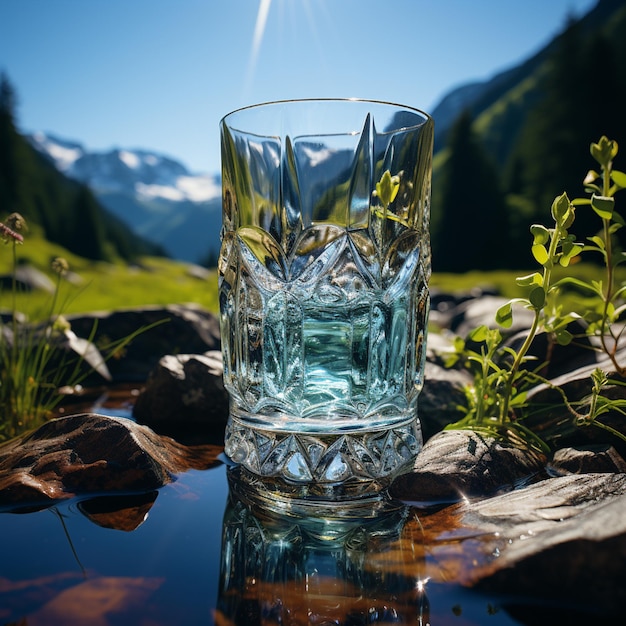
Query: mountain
point(155, 195)
point(63, 210)
point(524, 135)
point(511, 93)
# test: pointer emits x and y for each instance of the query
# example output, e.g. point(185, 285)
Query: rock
point(125, 512)
point(27, 278)
point(557, 424)
point(185, 394)
point(562, 540)
point(185, 329)
point(440, 397)
point(89, 453)
point(457, 464)
point(482, 311)
point(591, 459)
point(444, 306)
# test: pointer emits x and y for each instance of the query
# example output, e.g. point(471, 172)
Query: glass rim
point(383, 103)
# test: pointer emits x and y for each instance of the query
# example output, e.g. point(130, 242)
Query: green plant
point(501, 378)
point(496, 400)
point(36, 360)
point(604, 315)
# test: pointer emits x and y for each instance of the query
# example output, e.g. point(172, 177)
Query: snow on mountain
point(137, 171)
point(156, 195)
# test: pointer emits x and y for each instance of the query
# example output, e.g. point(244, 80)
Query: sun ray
point(257, 39)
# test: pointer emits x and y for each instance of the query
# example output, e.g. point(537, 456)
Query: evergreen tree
point(86, 233)
point(67, 211)
point(8, 149)
point(583, 99)
point(470, 225)
point(551, 146)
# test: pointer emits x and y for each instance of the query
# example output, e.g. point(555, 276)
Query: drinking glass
point(323, 289)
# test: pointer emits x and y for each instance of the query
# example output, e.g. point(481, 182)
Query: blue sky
point(160, 74)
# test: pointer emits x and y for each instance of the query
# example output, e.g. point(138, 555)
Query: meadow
point(100, 286)
point(97, 286)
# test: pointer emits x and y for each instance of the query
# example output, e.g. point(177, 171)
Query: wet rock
point(87, 454)
point(185, 393)
point(562, 540)
point(456, 464)
point(125, 512)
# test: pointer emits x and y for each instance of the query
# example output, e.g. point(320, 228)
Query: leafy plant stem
point(521, 353)
point(512, 374)
point(605, 328)
point(14, 301)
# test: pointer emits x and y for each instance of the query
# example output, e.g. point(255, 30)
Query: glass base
point(336, 509)
point(331, 466)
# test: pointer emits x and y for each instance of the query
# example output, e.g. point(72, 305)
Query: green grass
point(106, 286)
point(157, 281)
point(503, 283)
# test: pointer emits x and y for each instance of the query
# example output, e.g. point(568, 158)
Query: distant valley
point(155, 195)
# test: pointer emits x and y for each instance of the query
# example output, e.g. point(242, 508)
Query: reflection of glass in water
point(301, 569)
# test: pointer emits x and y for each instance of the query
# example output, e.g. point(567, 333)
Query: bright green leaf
point(619, 178)
point(519, 399)
point(479, 334)
point(560, 208)
point(610, 311)
point(504, 315)
point(541, 234)
point(599, 241)
point(570, 250)
point(603, 206)
point(563, 337)
point(537, 297)
point(540, 253)
point(604, 151)
point(530, 279)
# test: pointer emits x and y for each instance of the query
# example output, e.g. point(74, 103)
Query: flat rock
point(456, 464)
point(599, 458)
point(562, 539)
point(90, 454)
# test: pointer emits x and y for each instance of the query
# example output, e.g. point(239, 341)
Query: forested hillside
point(524, 138)
point(66, 211)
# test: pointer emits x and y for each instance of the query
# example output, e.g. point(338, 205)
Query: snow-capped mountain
point(154, 194)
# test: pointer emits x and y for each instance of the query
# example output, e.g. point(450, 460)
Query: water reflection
point(345, 565)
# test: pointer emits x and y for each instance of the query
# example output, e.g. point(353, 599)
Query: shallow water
point(197, 552)
point(60, 567)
